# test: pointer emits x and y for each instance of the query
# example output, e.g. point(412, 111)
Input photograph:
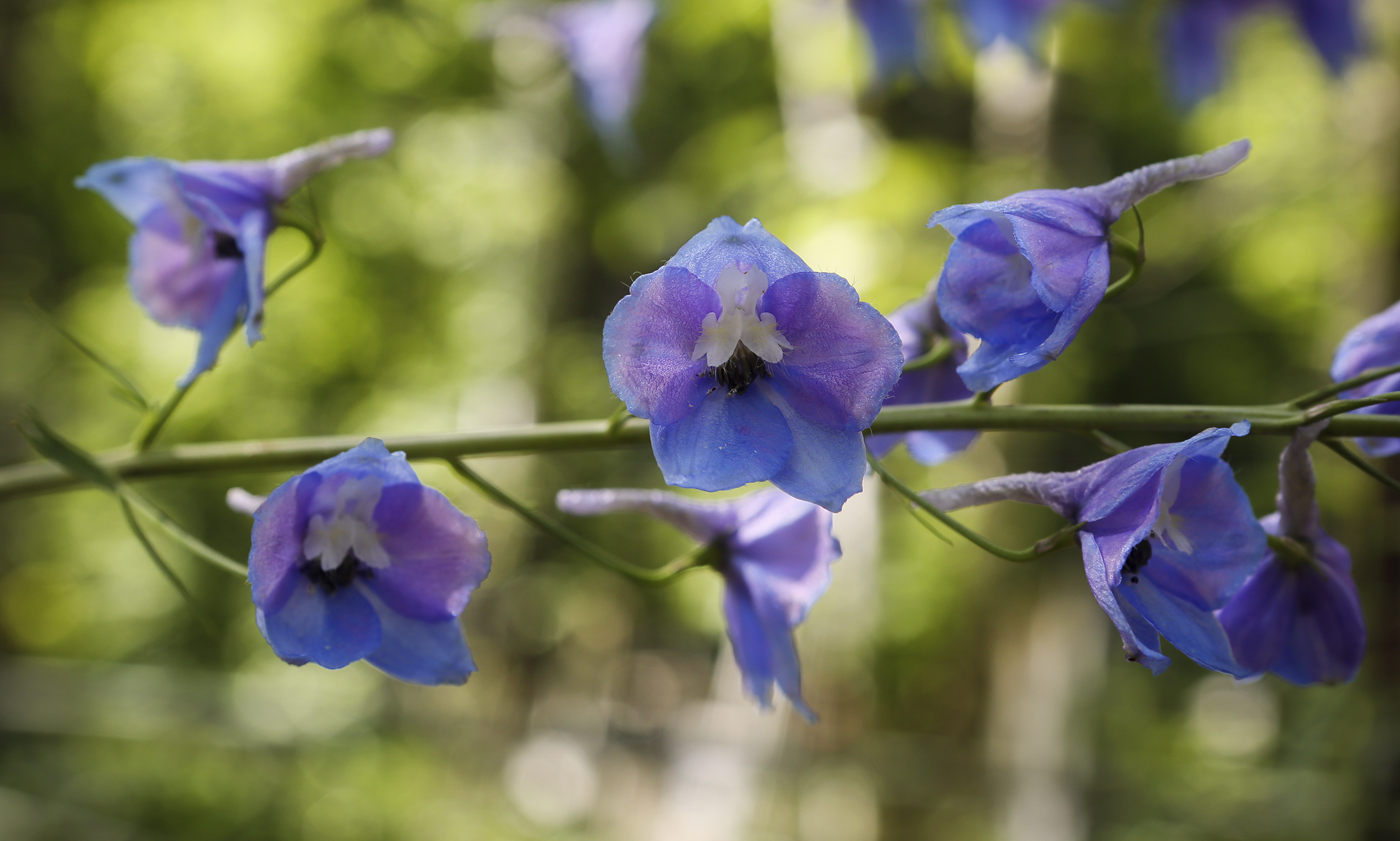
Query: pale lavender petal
point(724, 243)
point(727, 441)
point(253, 231)
point(648, 342)
point(439, 554)
point(1054, 490)
point(703, 521)
point(784, 547)
point(329, 629)
point(1128, 189)
point(295, 168)
point(605, 44)
point(845, 357)
point(1299, 515)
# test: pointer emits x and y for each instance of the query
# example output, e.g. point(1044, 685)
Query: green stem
point(164, 568)
point(617, 419)
point(1338, 407)
point(594, 552)
point(941, 350)
point(130, 498)
point(1046, 545)
point(1368, 376)
point(1136, 255)
point(1291, 552)
point(299, 453)
point(154, 421)
point(1360, 463)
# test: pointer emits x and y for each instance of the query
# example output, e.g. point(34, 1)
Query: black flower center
point(740, 372)
point(1137, 558)
point(226, 247)
point(342, 576)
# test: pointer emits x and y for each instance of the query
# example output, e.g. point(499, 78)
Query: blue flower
point(201, 227)
point(892, 27)
point(1168, 537)
point(1299, 619)
point(356, 559)
point(775, 555)
point(605, 42)
point(1374, 343)
point(1017, 21)
point(751, 367)
point(1025, 272)
point(920, 326)
point(1196, 30)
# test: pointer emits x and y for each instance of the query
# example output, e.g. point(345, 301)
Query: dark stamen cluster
point(342, 576)
point(1137, 558)
point(226, 247)
point(740, 372)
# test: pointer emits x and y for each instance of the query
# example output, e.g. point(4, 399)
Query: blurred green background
point(464, 285)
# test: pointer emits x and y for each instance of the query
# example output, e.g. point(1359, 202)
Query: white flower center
point(739, 321)
point(349, 529)
point(1168, 527)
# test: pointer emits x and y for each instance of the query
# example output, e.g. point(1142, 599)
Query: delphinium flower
point(1374, 343)
point(775, 554)
point(1298, 616)
point(892, 28)
point(751, 366)
point(1168, 537)
point(605, 43)
point(1196, 31)
point(1025, 272)
point(921, 328)
point(357, 559)
point(1017, 21)
point(201, 227)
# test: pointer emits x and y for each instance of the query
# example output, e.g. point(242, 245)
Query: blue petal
point(370, 457)
point(1195, 631)
point(763, 645)
point(136, 187)
point(439, 554)
point(1139, 638)
point(1195, 32)
point(1014, 20)
point(728, 441)
point(723, 243)
point(826, 465)
point(892, 27)
point(214, 331)
point(1333, 28)
point(279, 528)
point(332, 630)
point(431, 653)
point(253, 231)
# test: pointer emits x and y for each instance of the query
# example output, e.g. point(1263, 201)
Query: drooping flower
point(1168, 537)
point(605, 43)
point(1197, 29)
point(775, 554)
point(1300, 619)
point(920, 328)
point(892, 28)
point(357, 559)
point(1374, 343)
point(1017, 21)
point(201, 227)
point(751, 366)
point(1025, 272)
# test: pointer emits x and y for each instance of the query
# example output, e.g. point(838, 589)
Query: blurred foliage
point(464, 284)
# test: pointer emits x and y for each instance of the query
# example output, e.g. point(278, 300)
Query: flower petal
point(727, 441)
point(763, 645)
point(1333, 28)
point(703, 521)
point(330, 629)
point(1139, 638)
point(784, 547)
point(370, 458)
point(1195, 631)
point(431, 653)
point(845, 357)
point(279, 527)
point(1194, 34)
point(723, 243)
point(648, 344)
point(1132, 187)
point(439, 554)
point(825, 465)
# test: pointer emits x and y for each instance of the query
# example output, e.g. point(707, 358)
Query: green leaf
point(65, 454)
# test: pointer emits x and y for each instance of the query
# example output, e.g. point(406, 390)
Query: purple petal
point(892, 28)
point(649, 339)
point(253, 231)
point(1374, 343)
point(784, 547)
point(845, 357)
point(1333, 28)
point(1128, 189)
point(330, 629)
point(1195, 631)
point(605, 44)
point(763, 645)
point(985, 288)
point(439, 554)
point(1139, 638)
point(703, 521)
point(723, 244)
point(825, 465)
point(370, 458)
point(1194, 34)
point(431, 653)
point(727, 441)
point(279, 527)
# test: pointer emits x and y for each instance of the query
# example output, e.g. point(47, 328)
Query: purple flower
point(1299, 619)
point(775, 556)
point(1168, 537)
point(356, 559)
point(920, 326)
point(892, 27)
point(1196, 29)
point(751, 367)
point(201, 226)
point(1015, 20)
point(1374, 343)
point(1024, 273)
point(605, 41)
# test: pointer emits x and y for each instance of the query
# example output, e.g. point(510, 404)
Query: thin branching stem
point(1361, 464)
